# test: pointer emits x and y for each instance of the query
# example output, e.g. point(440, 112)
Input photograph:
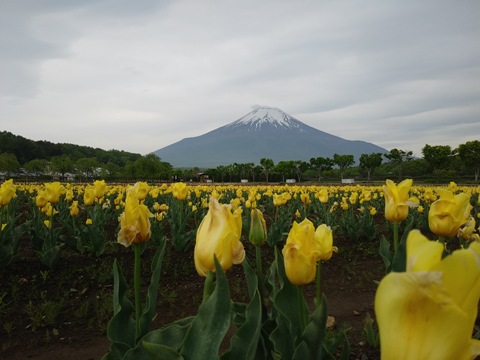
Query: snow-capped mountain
point(267, 117)
point(262, 133)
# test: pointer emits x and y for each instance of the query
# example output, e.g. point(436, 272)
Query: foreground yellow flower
point(429, 311)
point(134, 221)
point(397, 200)
point(304, 247)
point(219, 234)
point(449, 213)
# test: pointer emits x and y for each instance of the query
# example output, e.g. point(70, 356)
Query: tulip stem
point(136, 283)
point(258, 258)
point(395, 236)
point(208, 286)
point(318, 290)
point(300, 300)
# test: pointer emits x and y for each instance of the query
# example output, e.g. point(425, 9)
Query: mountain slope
point(262, 133)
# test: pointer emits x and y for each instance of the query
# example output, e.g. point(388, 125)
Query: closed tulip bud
point(298, 253)
point(134, 221)
point(258, 228)
point(219, 235)
point(429, 311)
point(180, 191)
point(323, 240)
point(397, 200)
point(449, 213)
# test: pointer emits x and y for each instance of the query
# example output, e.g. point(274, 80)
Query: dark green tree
point(437, 156)
point(267, 165)
point(370, 162)
point(469, 153)
point(8, 163)
point(62, 164)
point(343, 162)
point(321, 164)
point(397, 157)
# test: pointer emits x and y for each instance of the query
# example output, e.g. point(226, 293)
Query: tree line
point(42, 160)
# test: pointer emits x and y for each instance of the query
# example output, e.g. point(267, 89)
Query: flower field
point(245, 271)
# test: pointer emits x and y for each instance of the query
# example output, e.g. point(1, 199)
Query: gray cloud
point(149, 73)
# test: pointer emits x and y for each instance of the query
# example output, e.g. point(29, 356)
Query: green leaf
point(121, 328)
point(386, 254)
point(314, 334)
point(152, 351)
point(251, 278)
point(151, 301)
point(171, 335)
point(292, 313)
point(211, 323)
point(399, 263)
point(245, 341)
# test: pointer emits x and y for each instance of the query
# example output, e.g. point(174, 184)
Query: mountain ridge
point(264, 132)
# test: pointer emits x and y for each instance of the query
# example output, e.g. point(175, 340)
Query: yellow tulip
point(53, 191)
point(74, 211)
point(219, 234)
point(89, 195)
point(397, 200)
point(7, 192)
point(429, 311)
point(40, 199)
point(323, 238)
point(449, 213)
point(467, 232)
point(304, 247)
point(258, 228)
point(134, 221)
point(99, 188)
point(141, 189)
point(180, 191)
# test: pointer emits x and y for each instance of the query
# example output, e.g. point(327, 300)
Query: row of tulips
point(426, 280)
point(83, 217)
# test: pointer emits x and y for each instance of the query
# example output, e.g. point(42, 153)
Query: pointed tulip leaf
point(152, 351)
point(211, 323)
point(171, 335)
point(251, 278)
point(149, 309)
point(121, 328)
point(245, 341)
point(386, 254)
point(399, 263)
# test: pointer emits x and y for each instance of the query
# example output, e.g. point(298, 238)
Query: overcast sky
point(141, 75)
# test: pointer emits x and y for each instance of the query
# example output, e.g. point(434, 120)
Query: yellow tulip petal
point(419, 320)
point(422, 253)
point(300, 268)
point(462, 278)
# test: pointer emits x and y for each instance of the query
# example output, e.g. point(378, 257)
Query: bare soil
point(63, 313)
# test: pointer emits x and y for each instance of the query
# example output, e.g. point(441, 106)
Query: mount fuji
point(262, 133)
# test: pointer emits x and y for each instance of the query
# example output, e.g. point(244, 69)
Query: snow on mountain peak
point(267, 116)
